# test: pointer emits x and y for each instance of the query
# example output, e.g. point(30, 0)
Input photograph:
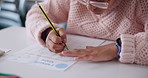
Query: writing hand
point(56, 43)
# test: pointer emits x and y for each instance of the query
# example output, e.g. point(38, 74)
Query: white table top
point(14, 38)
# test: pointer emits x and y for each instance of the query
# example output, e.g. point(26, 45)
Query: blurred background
point(13, 12)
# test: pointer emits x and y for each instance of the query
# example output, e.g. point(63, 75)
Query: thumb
point(62, 34)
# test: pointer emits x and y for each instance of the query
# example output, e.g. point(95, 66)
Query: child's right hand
point(56, 43)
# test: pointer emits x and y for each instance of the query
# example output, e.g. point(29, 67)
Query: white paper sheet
point(42, 57)
point(5, 50)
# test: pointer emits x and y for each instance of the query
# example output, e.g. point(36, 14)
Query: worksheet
point(5, 49)
point(38, 55)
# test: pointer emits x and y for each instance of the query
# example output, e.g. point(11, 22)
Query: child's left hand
point(100, 53)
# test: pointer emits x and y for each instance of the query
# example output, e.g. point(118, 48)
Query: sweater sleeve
point(56, 10)
point(135, 47)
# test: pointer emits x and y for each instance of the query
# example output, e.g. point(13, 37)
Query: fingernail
point(60, 54)
point(64, 52)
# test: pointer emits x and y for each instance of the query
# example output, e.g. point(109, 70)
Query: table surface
point(15, 38)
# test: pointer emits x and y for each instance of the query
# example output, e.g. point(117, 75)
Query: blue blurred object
point(12, 13)
point(63, 25)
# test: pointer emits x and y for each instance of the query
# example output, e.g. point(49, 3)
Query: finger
point(84, 57)
point(62, 34)
point(52, 36)
point(89, 47)
point(54, 47)
point(57, 49)
point(76, 52)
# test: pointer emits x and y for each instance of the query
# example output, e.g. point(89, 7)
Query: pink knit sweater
point(127, 19)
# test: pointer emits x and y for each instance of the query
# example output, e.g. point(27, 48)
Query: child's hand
point(56, 43)
point(100, 53)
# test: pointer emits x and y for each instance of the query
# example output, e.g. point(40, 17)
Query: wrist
point(115, 49)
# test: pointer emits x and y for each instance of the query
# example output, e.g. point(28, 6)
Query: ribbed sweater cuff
point(128, 49)
point(38, 33)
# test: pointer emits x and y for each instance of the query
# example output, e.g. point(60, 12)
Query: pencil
point(52, 26)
